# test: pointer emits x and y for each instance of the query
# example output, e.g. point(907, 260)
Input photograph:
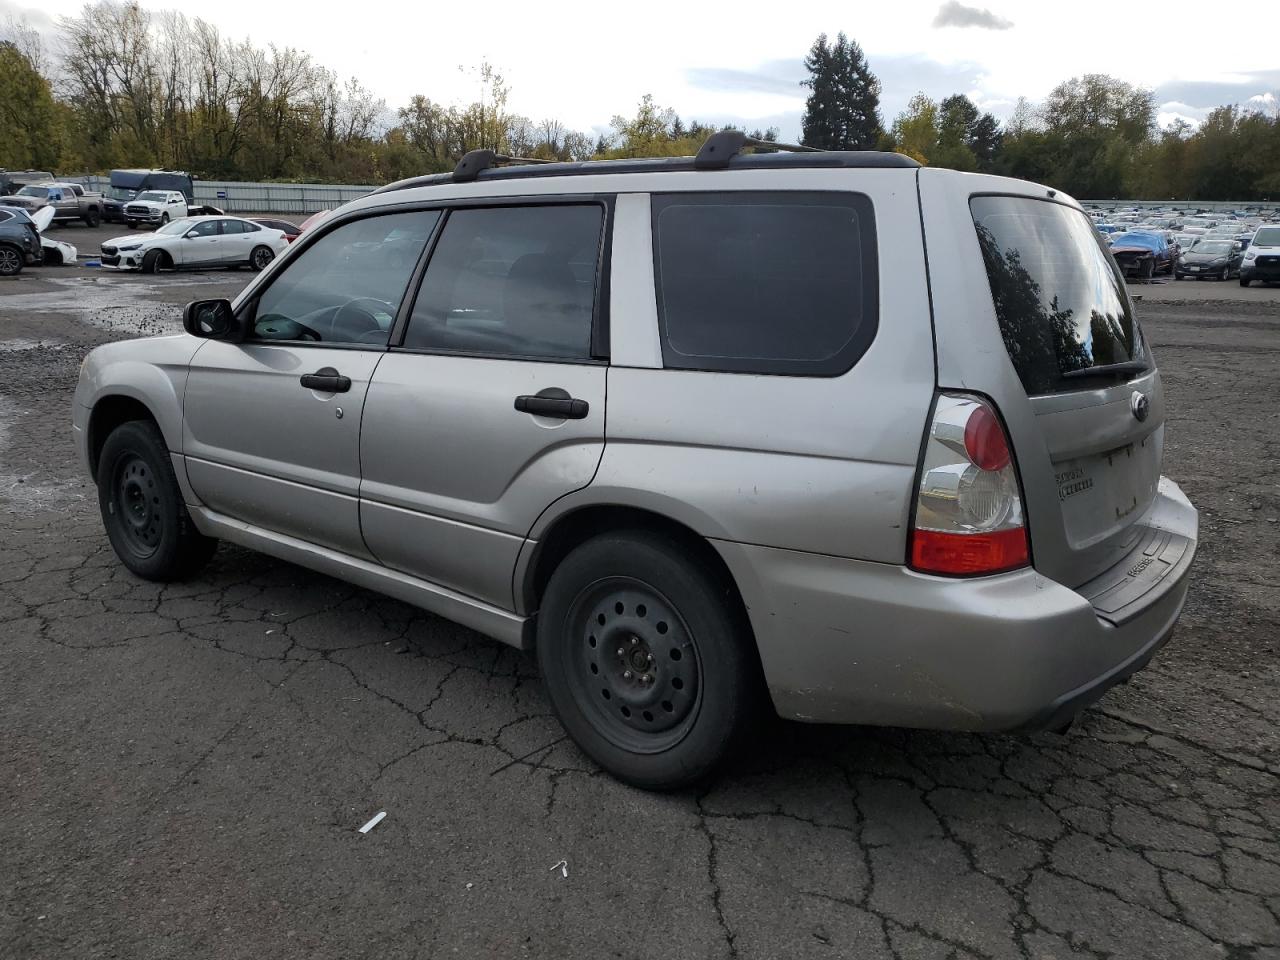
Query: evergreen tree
point(843, 108)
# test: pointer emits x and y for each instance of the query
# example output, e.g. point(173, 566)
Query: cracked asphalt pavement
point(184, 769)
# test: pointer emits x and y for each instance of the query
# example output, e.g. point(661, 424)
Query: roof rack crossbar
point(723, 146)
point(474, 161)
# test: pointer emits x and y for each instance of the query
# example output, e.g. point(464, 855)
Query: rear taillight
point(968, 519)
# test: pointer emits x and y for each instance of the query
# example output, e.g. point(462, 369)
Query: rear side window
point(781, 283)
point(1059, 298)
point(513, 282)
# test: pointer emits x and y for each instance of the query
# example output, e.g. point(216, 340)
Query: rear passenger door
point(490, 404)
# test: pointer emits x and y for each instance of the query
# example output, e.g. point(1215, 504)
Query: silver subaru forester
point(865, 442)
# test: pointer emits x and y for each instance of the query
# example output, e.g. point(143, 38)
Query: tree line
point(125, 86)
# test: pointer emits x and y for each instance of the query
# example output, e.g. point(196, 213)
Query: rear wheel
point(10, 261)
point(261, 257)
point(647, 660)
point(142, 509)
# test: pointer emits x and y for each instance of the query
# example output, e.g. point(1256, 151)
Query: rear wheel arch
point(108, 413)
point(582, 524)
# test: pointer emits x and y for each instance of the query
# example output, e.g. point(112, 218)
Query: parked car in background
point(155, 208)
point(1142, 254)
point(196, 243)
point(19, 241)
point(1262, 258)
point(11, 181)
point(290, 230)
point(1218, 259)
point(931, 498)
point(69, 201)
point(312, 220)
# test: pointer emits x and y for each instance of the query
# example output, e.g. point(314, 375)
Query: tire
point(152, 261)
point(678, 626)
point(10, 260)
point(1244, 282)
point(92, 218)
point(1226, 274)
point(260, 258)
point(130, 224)
point(164, 218)
point(155, 540)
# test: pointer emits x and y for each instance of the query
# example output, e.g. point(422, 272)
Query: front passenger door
point(271, 426)
point(199, 246)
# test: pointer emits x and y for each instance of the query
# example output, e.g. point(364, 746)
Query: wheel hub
point(637, 665)
point(137, 502)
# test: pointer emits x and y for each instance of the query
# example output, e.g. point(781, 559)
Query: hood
point(42, 218)
point(135, 202)
point(1198, 256)
point(26, 203)
point(129, 240)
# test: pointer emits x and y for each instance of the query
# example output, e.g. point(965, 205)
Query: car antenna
point(474, 161)
point(723, 146)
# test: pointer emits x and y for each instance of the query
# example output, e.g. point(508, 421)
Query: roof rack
point(474, 161)
point(722, 147)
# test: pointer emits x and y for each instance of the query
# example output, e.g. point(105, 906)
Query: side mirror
point(212, 320)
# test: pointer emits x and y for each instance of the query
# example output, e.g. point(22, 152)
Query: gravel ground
point(184, 769)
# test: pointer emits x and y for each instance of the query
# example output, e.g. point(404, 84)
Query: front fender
point(152, 371)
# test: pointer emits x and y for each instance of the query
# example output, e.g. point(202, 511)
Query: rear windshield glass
point(1059, 297)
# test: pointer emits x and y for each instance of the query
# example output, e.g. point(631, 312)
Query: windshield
point(120, 193)
point(153, 195)
point(1058, 295)
point(176, 226)
point(41, 192)
point(1214, 249)
point(1148, 240)
point(1267, 237)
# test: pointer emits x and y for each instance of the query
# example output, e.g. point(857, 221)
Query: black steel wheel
point(637, 664)
point(648, 658)
point(142, 508)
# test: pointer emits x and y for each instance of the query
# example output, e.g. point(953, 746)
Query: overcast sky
point(722, 62)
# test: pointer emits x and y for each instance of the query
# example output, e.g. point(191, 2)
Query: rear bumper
point(846, 641)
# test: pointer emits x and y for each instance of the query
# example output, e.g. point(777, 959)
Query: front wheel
point(92, 218)
point(1244, 282)
point(164, 218)
point(142, 509)
point(261, 257)
point(647, 658)
point(152, 261)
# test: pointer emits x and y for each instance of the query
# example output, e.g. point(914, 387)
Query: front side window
point(346, 286)
point(511, 281)
point(1059, 297)
point(205, 228)
point(782, 283)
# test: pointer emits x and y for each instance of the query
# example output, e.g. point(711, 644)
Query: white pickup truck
point(155, 207)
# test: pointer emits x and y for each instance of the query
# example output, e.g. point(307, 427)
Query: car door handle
point(326, 379)
point(553, 402)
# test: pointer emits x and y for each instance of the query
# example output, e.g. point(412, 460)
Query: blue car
point(1141, 254)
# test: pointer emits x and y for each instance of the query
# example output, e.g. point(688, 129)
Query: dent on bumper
point(847, 641)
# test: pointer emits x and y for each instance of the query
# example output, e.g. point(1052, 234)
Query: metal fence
point(239, 197)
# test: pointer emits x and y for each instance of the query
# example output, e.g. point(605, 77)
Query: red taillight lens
point(966, 554)
point(968, 518)
point(984, 440)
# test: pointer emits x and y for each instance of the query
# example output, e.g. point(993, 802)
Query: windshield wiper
point(1108, 370)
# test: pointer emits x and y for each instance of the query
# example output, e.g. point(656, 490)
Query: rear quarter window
point(770, 283)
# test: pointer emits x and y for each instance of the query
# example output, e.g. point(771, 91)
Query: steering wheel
point(356, 306)
point(284, 328)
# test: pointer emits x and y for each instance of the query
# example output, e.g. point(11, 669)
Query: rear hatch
point(1043, 324)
